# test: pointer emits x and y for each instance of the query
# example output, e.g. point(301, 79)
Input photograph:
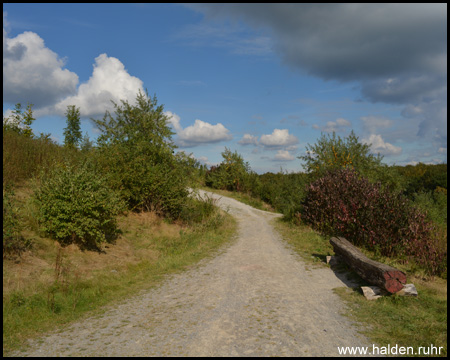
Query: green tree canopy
point(20, 121)
point(72, 133)
point(233, 173)
point(332, 152)
point(135, 147)
point(144, 121)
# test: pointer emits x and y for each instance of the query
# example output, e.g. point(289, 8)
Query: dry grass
point(141, 231)
point(35, 267)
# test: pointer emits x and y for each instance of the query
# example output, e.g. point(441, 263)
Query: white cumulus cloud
point(278, 138)
point(173, 119)
point(200, 133)
point(248, 139)
point(109, 81)
point(32, 72)
point(380, 146)
point(203, 132)
point(283, 155)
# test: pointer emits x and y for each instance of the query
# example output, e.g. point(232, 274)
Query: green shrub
point(343, 203)
point(214, 178)
point(77, 206)
point(284, 191)
point(434, 203)
point(232, 174)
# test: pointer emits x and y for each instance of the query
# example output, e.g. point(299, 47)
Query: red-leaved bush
point(343, 203)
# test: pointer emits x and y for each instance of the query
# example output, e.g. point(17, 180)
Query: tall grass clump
point(13, 242)
point(202, 213)
point(23, 156)
point(344, 203)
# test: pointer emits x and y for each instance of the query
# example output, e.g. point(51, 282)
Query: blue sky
point(262, 79)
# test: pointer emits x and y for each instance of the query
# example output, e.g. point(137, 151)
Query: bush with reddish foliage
point(343, 203)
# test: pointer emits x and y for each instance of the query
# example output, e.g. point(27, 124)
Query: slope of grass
point(49, 286)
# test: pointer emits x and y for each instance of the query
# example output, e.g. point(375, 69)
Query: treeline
point(422, 177)
point(79, 189)
point(347, 191)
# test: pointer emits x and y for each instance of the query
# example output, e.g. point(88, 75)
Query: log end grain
point(395, 280)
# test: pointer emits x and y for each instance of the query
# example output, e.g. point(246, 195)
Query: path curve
point(253, 299)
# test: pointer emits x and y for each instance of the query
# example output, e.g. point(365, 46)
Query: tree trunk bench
point(382, 275)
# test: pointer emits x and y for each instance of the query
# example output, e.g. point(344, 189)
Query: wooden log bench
point(382, 275)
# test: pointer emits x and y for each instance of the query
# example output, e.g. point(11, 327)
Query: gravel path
point(253, 299)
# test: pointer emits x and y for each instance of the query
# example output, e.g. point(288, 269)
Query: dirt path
point(254, 299)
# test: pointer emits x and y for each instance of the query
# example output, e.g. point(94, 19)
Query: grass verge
point(390, 320)
point(49, 286)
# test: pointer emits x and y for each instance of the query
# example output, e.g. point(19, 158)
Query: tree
point(72, 133)
point(135, 148)
point(332, 153)
point(19, 121)
point(232, 173)
point(28, 120)
point(236, 170)
point(15, 120)
point(132, 124)
point(86, 144)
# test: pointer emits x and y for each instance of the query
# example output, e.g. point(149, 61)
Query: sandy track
point(253, 299)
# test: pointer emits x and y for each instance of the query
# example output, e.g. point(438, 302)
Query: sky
point(264, 80)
